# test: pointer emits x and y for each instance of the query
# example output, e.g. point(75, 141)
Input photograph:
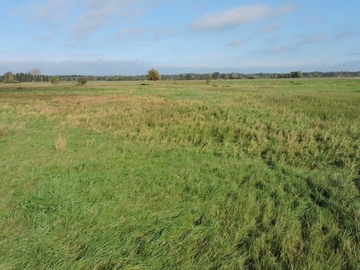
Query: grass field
point(238, 174)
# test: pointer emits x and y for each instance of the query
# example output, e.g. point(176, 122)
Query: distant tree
point(234, 75)
point(296, 74)
point(189, 76)
point(8, 77)
point(36, 72)
point(153, 75)
point(35, 75)
point(208, 78)
point(55, 80)
point(216, 75)
point(82, 80)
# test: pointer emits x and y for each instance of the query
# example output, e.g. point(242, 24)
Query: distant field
point(238, 174)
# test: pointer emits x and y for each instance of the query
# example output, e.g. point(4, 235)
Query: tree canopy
point(208, 78)
point(82, 80)
point(55, 80)
point(8, 77)
point(153, 75)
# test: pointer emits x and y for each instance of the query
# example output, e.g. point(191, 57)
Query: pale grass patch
point(36, 108)
point(17, 126)
point(60, 143)
point(73, 120)
point(90, 142)
point(5, 107)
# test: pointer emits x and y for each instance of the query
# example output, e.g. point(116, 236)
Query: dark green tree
point(296, 74)
point(216, 75)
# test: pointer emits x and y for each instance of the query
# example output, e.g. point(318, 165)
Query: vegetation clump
point(55, 80)
point(82, 80)
point(8, 77)
point(153, 75)
point(208, 78)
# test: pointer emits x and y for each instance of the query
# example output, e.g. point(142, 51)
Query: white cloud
point(347, 32)
point(80, 67)
point(45, 38)
point(271, 28)
point(165, 32)
point(53, 12)
point(236, 42)
point(223, 20)
point(99, 14)
point(278, 49)
point(273, 40)
point(315, 37)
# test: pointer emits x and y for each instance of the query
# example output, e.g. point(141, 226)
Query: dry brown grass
point(60, 143)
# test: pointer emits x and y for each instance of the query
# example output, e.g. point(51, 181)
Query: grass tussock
point(60, 143)
point(249, 174)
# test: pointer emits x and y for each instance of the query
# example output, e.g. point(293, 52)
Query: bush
point(153, 75)
point(55, 80)
point(82, 80)
point(208, 78)
point(8, 77)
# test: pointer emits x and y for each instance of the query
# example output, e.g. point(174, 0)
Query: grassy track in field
point(238, 174)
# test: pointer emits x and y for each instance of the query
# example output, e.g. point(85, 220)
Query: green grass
point(238, 174)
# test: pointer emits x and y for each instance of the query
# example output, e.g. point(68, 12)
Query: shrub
point(55, 80)
point(82, 80)
point(8, 77)
point(153, 75)
point(208, 78)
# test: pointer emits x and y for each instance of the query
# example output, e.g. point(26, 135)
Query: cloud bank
point(79, 67)
point(83, 18)
point(99, 14)
point(237, 42)
point(231, 18)
point(53, 12)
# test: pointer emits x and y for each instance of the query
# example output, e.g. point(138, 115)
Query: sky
point(129, 37)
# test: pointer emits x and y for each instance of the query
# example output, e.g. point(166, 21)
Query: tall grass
point(243, 174)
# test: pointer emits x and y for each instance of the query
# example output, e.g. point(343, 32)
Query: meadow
point(237, 174)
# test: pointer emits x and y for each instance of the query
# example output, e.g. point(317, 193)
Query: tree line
point(36, 76)
point(30, 76)
point(215, 76)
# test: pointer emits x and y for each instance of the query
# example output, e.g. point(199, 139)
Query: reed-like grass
point(241, 174)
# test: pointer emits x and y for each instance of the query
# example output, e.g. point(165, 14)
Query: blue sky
point(128, 37)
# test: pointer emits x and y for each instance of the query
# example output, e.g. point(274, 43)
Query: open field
point(238, 174)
